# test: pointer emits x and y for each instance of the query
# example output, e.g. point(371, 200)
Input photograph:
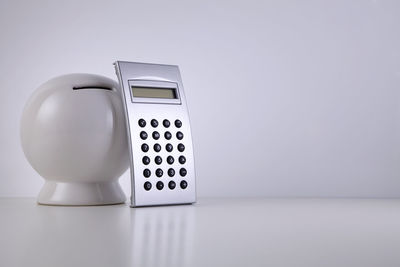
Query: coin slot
point(91, 87)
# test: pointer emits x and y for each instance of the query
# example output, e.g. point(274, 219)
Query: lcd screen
point(153, 92)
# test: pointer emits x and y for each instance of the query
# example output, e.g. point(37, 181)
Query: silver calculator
point(159, 135)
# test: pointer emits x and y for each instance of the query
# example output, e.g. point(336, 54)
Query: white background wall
point(287, 98)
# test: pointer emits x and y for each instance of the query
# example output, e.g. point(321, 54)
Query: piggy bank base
point(77, 194)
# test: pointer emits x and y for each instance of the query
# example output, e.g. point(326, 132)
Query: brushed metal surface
point(160, 109)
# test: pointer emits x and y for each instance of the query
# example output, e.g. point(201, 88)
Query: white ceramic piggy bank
point(73, 133)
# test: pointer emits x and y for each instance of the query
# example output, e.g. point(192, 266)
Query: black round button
point(145, 147)
point(179, 135)
point(169, 147)
point(171, 185)
point(143, 135)
point(146, 160)
point(183, 172)
point(147, 186)
point(178, 124)
point(181, 147)
point(157, 147)
point(170, 160)
point(167, 135)
point(183, 184)
point(160, 185)
point(166, 123)
point(146, 173)
point(158, 160)
point(156, 135)
point(171, 172)
point(159, 172)
point(182, 160)
point(154, 123)
point(142, 123)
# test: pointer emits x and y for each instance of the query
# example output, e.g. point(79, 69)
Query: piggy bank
point(73, 133)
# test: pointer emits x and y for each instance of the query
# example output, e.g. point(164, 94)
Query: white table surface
point(213, 232)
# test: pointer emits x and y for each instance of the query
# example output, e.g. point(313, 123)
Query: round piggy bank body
point(73, 133)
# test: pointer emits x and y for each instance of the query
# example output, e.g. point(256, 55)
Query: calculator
point(159, 134)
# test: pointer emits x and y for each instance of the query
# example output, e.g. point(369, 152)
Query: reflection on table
point(162, 236)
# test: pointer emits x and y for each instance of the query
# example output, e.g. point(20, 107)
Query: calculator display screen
point(154, 92)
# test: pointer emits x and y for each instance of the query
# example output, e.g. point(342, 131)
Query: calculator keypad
point(164, 169)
